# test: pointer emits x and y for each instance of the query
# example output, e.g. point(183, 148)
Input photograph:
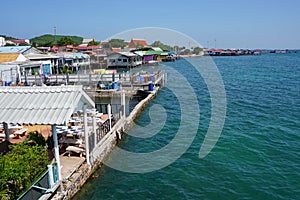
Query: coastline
point(78, 178)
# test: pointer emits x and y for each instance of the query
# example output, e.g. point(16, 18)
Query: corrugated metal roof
point(41, 105)
point(72, 55)
point(14, 49)
point(128, 54)
point(40, 56)
point(8, 57)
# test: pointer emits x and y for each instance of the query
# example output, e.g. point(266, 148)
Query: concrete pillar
point(86, 135)
point(56, 151)
point(5, 127)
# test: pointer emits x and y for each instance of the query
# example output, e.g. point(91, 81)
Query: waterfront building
point(123, 59)
point(2, 41)
point(74, 61)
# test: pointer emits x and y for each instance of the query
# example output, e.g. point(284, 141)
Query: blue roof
point(14, 49)
point(73, 55)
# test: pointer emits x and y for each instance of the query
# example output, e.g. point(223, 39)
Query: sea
point(255, 155)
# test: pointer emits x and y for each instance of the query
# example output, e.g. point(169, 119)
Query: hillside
point(49, 40)
point(8, 37)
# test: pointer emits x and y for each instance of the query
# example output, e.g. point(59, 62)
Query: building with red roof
point(137, 43)
point(18, 42)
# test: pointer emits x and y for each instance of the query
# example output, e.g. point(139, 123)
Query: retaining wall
point(104, 147)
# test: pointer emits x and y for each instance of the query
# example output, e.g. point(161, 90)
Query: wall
point(103, 148)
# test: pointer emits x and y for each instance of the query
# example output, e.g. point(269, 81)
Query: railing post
point(94, 126)
point(56, 151)
point(109, 115)
point(50, 176)
point(124, 103)
point(86, 135)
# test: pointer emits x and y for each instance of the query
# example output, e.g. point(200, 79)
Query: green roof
point(153, 52)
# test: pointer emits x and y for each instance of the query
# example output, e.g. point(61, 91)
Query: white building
point(123, 59)
point(2, 41)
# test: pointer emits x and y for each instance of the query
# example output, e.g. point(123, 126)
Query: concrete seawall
point(102, 150)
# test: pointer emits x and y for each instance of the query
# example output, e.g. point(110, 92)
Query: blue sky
point(218, 23)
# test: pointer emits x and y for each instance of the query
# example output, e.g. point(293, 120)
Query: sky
point(267, 24)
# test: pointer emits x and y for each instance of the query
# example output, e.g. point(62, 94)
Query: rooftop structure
point(19, 49)
point(137, 43)
point(11, 57)
point(41, 105)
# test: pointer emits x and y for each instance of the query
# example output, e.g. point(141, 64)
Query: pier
point(85, 121)
point(76, 170)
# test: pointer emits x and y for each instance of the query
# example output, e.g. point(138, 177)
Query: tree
point(37, 138)
point(50, 40)
point(162, 46)
point(93, 43)
point(66, 40)
point(176, 48)
point(8, 45)
point(117, 43)
point(20, 168)
point(186, 51)
point(197, 50)
point(112, 43)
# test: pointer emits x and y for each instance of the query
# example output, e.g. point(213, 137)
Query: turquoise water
point(257, 155)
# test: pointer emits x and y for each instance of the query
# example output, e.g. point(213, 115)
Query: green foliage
point(20, 168)
point(197, 50)
point(9, 45)
point(162, 46)
point(8, 37)
point(93, 43)
point(186, 51)
point(115, 43)
point(37, 138)
point(51, 40)
point(65, 41)
point(66, 70)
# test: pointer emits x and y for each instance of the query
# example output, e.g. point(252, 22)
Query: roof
point(153, 52)
point(93, 47)
point(41, 105)
point(134, 43)
point(156, 49)
point(140, 41)
point(87, 40)
point(14, 49)
point(40, 56)
point(128, 54)
point(116, 49)
point(8, 57)
point(19, 42)
point(67, 55)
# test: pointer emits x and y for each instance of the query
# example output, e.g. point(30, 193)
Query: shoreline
point(81, 175)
